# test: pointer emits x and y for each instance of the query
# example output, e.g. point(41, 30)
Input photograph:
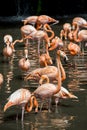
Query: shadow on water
point(70, 113)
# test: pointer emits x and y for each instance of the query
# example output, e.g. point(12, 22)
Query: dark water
point(69, 115)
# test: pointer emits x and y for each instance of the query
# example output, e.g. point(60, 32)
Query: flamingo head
point(63, 54)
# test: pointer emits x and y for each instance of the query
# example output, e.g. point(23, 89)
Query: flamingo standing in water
point(79, 36)
point(45, 59)
point(9, 39)
point(47, 90)
point(20, 98)
point(56, 42)
point(8, 51)
point(50, 71)
point(62, 94)
point(24, 63)
point(28, 31)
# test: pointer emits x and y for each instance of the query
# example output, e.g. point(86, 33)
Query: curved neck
point(33, 102)
point(48, 29)
point(59, 76)
point(63, 74)
point(75, 33)
point(44, 77)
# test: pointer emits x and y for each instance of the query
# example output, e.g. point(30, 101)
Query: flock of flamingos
point(38, 28)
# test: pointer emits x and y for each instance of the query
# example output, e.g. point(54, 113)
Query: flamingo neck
point(75, 33)
point(44, 77)
point(59, 76)
point(33, 102)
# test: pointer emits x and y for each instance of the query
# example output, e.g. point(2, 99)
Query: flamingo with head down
point(56, 43)
point(64, 32)
point(9, 39)
point(8, 51)
point(50, 71)
point(20, 98)
point(74, 48)
point(28, 31)
point(47, 90)
point(39, 21)
point(45, 59)
point(24, 63)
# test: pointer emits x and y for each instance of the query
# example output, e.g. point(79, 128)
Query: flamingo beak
point(8, 104)
point(64, 56)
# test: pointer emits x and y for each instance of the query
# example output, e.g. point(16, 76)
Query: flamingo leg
point(22, 117)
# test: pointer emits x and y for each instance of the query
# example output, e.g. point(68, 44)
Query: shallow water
point(70, 114)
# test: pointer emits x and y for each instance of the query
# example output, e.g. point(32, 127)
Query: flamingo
point(1, 78)
point(66, 29)
point(79, 36)
point(45, 19)
point(74, 49)
point(81, 22)
point(62, 94)
point(7, 51)
point(39, 21)
point(28, 31)
point(50, 71)
point(46, 91)
point(56, 42)
point(9, 39)
point(24, 63)
point(20, 98)
point(30, 20)
point(45, 59)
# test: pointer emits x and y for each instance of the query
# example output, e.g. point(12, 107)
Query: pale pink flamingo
point(24, 63)
point(7, 51)
point(8, 39)
point(62, 94)
point(30, 20)
point(20, 98)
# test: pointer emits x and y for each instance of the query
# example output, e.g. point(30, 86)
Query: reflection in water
point(64, 116)
point(45, 120)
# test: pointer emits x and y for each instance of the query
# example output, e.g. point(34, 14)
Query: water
point(70, 114)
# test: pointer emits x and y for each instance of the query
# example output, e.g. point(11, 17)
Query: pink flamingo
point(28, 31)
point(24, 63)
point(20, 98)
point(74, 49)
point(47, 90)
point(66, 29)
point(56, 42)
